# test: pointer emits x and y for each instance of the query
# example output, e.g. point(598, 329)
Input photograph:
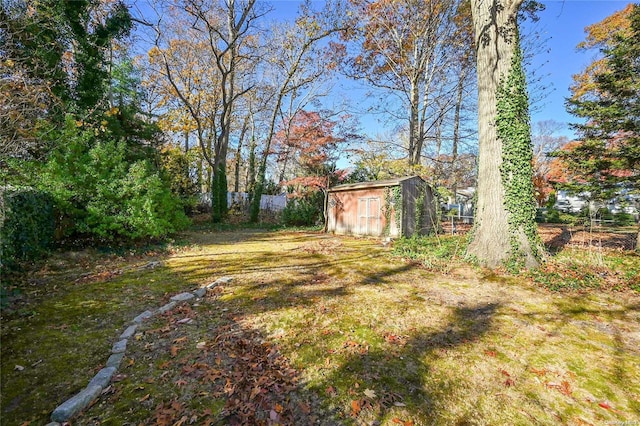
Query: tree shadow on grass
point(616, 339)
point(558, 242)
point(396, 373)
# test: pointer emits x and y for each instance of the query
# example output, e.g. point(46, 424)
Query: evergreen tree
point(607, 158)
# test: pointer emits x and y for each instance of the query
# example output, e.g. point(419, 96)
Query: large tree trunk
point(494, 242)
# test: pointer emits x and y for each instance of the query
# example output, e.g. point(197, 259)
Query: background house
point(395, 207)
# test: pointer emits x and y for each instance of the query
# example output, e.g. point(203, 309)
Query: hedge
point(27, 225)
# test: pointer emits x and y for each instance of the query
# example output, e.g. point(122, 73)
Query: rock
point(129, 332)
point(103, 377)
point(182, 297)
point(219, 281)
point(75, 404)
point(115, 360)
point(169, 306)
point(143, 316)
point(53, 424)
point(200, 292)
point(119, 346)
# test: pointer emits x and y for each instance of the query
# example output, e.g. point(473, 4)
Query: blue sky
point(563, 23)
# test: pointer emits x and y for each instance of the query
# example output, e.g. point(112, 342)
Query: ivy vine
point(393, 201)
point(387, 213)
point(514, 130)
point(419, 207)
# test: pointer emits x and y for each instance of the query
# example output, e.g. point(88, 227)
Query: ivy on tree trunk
point(503, 233)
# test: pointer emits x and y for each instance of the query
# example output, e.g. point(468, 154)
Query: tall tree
point(600, 35)
point(53, 60)
point(296, 62)
point(404, 49)
point(505, 230)
point(607, 158)
point(227, 32)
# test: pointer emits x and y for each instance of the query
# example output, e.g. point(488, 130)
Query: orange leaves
point(165, 414)
point(539, 373)
point(601, 34)
point(356, 407)
point(398, 421)
point(605, 31)
point(565, 388)
point(331, 391)
point(395, 339)
point(174, 351)
point(509, 381)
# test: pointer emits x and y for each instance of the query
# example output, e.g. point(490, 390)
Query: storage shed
point(395, 207)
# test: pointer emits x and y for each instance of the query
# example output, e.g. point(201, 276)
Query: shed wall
point(359, 212)
point(412, 193)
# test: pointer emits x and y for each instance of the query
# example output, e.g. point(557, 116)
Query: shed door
point(369, 216)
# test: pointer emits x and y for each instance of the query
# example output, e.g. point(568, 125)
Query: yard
point(320, 329)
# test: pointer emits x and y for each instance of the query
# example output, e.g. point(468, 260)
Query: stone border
point(100, 381)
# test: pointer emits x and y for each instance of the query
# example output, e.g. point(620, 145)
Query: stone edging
point(101, 380)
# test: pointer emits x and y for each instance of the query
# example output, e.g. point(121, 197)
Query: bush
point(623, 219)
point(27, 225)
point(176, 166)
point(551, 215)
point(104, 191)
point(301, 212)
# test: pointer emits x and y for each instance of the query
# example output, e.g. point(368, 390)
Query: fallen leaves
point(395, 339)
point(331, 391)
point(102, 276)
point(370, 393)
point(490, 353)
point(605, 405)
point(356, 407)
point(509, 381)
point(399, 421)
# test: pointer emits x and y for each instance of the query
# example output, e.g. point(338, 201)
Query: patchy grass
point(439, 253)
point(316, 329)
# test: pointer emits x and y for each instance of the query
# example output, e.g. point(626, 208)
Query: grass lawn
point(320, 329)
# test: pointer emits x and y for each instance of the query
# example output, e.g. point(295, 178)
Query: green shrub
point(623, 219)
point(435, 253)
point(177, 165)
point(553, 216)
point(27, 225)
point(301, 212)
point(104, 191)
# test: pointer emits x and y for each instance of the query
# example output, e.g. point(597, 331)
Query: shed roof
point(372, 184)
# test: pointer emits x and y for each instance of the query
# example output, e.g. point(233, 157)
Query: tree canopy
point(606, 158)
